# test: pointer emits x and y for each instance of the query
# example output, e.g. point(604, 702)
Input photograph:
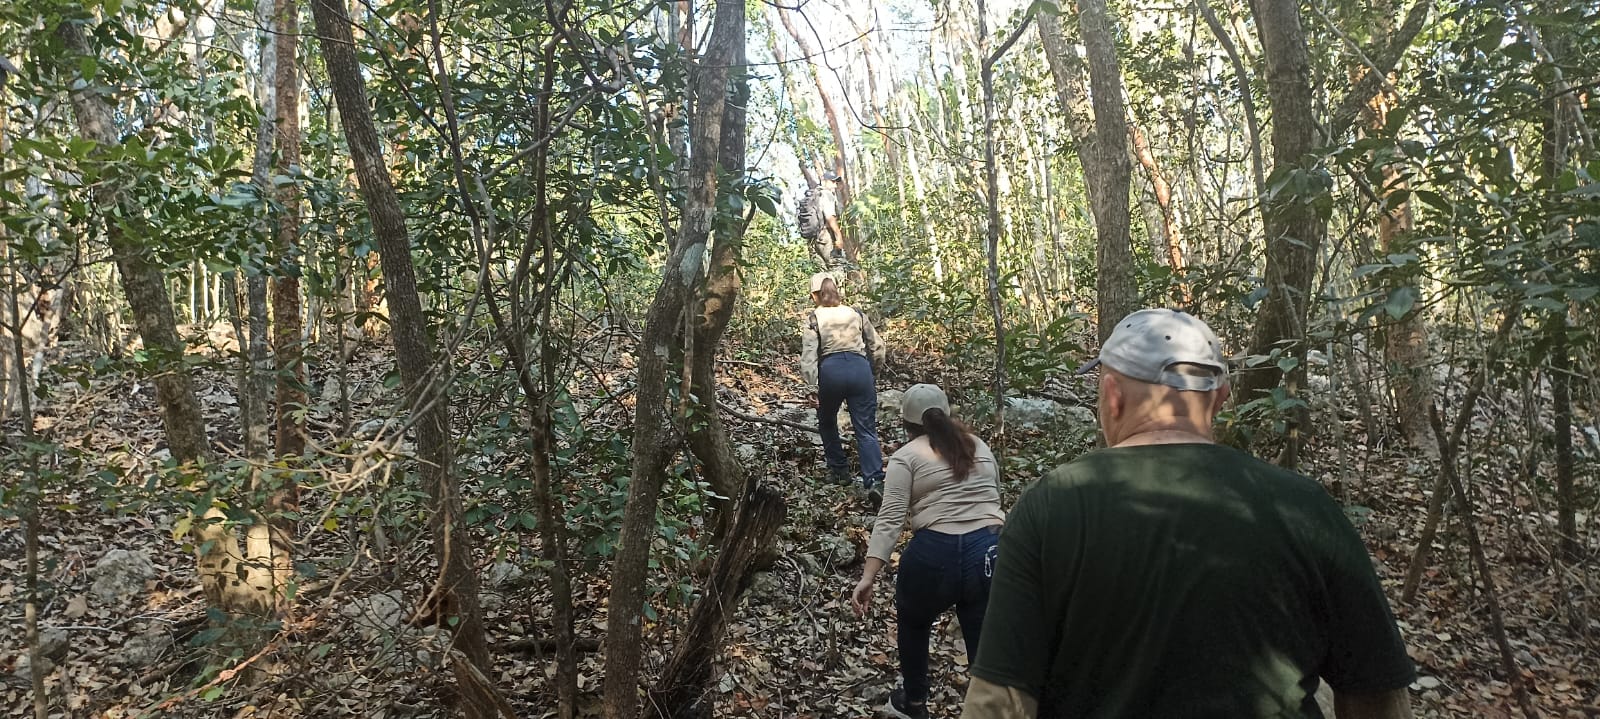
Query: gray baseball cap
point(1154, 345)
point(919, 398)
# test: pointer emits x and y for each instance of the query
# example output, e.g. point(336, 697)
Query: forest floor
point(796, 649)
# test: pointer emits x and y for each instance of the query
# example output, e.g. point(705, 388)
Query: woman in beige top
point(944, 483)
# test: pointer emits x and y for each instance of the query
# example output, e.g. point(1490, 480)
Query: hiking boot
point(874, 492)
point(839, 477)
point(899, 706)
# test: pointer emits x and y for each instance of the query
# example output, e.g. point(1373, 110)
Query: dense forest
point(422, 358)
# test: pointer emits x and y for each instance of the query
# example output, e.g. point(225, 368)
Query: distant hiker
point(943, 483)
point(837, 341)
point(818, 217)
point(1168, 576)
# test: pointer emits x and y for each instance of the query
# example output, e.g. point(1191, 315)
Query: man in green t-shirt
point(1168, 576)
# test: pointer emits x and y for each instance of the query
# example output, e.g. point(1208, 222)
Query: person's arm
point(987, 700)
point(1392, 704)
point(886, 530)
point(875, 348)
point(808, 349)
point(1017, 642)
point(836, 231)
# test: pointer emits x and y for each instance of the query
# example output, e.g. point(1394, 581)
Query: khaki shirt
point(838, 329)
point(919, 489)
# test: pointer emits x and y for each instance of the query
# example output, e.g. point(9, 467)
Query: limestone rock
point(378, 615)
point(142, 650)
point(121, 573)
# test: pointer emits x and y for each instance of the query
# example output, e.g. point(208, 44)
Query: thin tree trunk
point(992, 178)
point(1246, 95)
point(1449, 449)
point(1106, 178)
point(456, 589)
point(653, 445)
point(283, 501)
point(1161, 191)
point(1497, 622)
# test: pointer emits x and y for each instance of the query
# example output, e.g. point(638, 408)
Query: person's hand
point(861, 598)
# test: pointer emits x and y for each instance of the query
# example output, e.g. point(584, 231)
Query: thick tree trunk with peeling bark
point(455, 592)
point(653, 445)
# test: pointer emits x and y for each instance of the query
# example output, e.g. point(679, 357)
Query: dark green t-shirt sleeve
point(1016, 643)
point(1365, 651)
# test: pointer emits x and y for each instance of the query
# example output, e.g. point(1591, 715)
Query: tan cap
point(817, 279)
point(920, 398)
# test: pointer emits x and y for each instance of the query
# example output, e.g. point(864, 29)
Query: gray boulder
point(121, 573)
point(378, 615)
point(145, 649)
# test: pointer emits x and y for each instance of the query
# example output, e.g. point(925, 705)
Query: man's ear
point(1111, 389)
point(1219, 398)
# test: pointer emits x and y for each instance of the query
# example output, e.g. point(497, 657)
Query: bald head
point(1130, 407)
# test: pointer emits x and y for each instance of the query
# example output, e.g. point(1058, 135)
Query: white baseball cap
point(817, 280)
point(919, 398)
point(1149, 345)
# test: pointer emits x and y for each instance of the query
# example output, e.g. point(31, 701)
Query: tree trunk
point(1246, 95)
point(1106, 171)
point(289, 435)
point(144, 285)
point(708, 434)
point(653, 445)
point(1294, 230)
point(283, 500)
point(1171, 246)
point(684, 689)
point(456, 589)
point(1405, 341)
point(993, 225)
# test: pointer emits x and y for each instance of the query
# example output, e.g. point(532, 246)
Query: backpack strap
point(811, 317)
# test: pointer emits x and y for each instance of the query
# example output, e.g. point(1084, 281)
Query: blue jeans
point(846, 378)
point(938, 571)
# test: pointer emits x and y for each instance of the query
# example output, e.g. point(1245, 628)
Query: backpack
point(808, 214)
point(811, 319)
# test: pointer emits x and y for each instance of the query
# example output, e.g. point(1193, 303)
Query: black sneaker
point(899, 706)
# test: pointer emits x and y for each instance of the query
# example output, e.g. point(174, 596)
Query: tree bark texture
point(708, 434)
point(456, 589)
point(1294, 230)
point(1106, 171)
point(653, 441)
point(684, 691)
point(289, 430)
point(143, 281)
point(1405, 341)
point(993, 226)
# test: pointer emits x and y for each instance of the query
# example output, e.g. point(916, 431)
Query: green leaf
point(1400, 302)
point(212, 693)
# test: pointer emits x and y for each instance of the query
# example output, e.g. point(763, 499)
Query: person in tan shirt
point(836, 344)
point(944, 484)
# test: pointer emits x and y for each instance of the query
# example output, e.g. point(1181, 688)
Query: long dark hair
point(950, 439)
point(829, 295)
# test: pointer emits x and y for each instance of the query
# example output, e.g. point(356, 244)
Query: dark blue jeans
point(938, 571)
point(846, 378)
